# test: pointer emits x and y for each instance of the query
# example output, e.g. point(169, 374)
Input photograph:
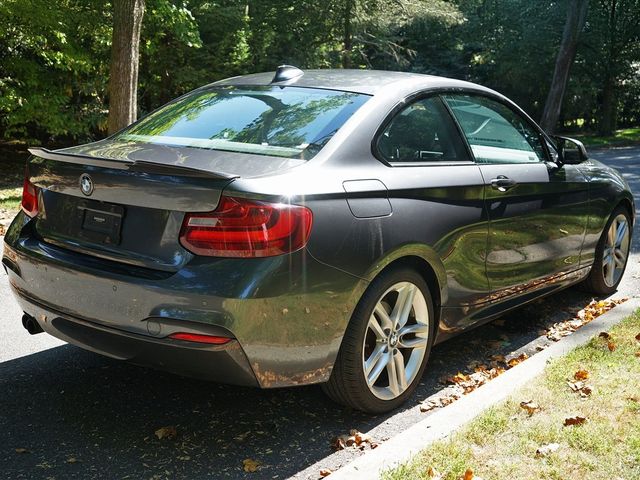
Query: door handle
point(503, 183)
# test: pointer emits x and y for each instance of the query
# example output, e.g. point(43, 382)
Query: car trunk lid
point(132, 213)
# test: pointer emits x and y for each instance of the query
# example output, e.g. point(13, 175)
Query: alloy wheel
point(616, 250)
point(396, 340)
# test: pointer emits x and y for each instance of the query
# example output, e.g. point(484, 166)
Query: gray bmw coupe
point(325, 226)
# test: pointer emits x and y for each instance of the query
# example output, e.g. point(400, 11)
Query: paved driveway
point(80, 415)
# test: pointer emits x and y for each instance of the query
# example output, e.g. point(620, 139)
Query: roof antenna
point(285, 73)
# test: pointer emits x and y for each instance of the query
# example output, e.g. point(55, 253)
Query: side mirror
point(571, 151)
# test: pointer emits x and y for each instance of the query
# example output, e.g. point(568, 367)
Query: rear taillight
point(199, 338)
point(29, 197)
point(246, 228)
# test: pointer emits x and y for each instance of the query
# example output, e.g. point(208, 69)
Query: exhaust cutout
point(31, 325)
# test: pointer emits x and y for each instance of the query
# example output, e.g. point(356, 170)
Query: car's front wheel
point(612, 253)
point(387, 343)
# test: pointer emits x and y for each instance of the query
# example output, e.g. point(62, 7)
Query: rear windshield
point(292, 122)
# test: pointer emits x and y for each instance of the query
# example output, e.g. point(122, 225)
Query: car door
point(537, 207)
point(436, 192)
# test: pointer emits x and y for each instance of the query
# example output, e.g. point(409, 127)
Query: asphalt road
point(79, 415)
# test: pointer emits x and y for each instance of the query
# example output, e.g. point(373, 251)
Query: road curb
point(440, 424)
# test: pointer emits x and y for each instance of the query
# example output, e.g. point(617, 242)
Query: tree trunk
point(346, 53)
point(576, 17)
point(607, 124)
point(123, 71)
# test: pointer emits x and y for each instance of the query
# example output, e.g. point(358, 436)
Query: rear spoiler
point(130, 165)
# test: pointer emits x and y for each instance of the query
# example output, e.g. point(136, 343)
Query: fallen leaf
point(325, 472)
point(638, 337)
point(519, 359)
point(428, 406)
point(249, 465)
point(581, 375)
point(585, 391)
point(530, 407)
point(545, 450)
point(574, 421)
point(361, 437)
point(72, 460)
point(468, 475)
point(611, 346)
point(339, 442)
point(584, 316)
point(166, 432)
point(637, 354)
point(604, 335)
point(22, 450)
point(433, 473)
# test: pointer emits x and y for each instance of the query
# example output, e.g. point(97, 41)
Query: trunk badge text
point(86, 184)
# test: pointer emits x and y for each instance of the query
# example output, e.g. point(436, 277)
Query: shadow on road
point(65, 403)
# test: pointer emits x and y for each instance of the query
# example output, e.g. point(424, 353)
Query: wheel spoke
point(620, 233)
point(619, 258)
point(417, 342)
point(375, 327)
point(382, 360)
point(397, 374)
point(403, 305)
point(610, 271)
point(611, 234)
point(383, 316)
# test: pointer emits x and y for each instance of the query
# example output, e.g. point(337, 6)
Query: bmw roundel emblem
point(86, 184)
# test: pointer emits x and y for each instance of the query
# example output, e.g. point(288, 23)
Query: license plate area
point(101, 223)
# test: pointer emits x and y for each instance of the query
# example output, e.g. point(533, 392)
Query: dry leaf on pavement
point(545, 450)
point(22, 450)
point(325, 472)
point(166, 432)
point(530, 407)
point(354, 439)
point(577, 420)
point(516, 360)
point(249, 465)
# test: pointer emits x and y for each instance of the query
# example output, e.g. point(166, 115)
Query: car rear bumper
point(286, 314)
point(223, 363)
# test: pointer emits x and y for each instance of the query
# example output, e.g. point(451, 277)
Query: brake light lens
point(247, 228)
point(199, 338)
point(29, 197)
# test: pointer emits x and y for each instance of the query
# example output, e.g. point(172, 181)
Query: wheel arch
point(425, 261)
point(627, 204)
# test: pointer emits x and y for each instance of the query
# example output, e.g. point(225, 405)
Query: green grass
point(502, 442)
point(10, 199)
point(620, 137)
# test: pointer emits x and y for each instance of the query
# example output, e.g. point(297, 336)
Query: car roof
point(368, 82)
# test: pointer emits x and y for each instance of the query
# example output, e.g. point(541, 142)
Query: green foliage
point(54, 54)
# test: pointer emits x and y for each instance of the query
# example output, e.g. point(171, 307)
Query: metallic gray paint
point(288, 313)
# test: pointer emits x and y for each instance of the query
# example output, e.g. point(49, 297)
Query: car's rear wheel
point(612, 253)
point(387, 343)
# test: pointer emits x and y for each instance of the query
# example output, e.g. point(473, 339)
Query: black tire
point(595, 282)
point(347, 384)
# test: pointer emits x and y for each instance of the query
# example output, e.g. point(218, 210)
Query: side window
point(496, 133)
point(422, 132)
